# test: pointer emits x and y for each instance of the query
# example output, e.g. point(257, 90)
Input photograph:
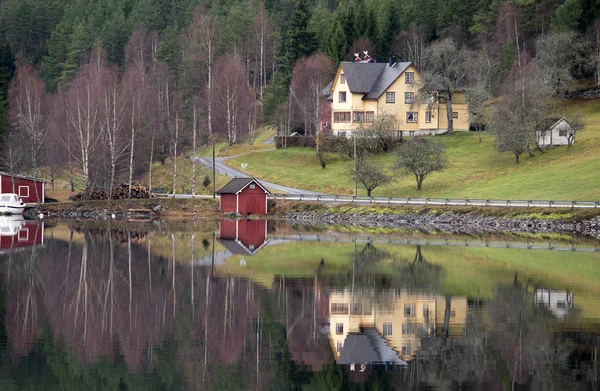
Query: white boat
point(11, 203)
point(11, 225)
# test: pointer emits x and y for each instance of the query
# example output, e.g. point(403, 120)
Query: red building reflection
point(16, 232)
point(245, 237)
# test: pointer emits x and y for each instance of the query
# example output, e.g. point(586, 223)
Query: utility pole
point(289, 122)
point(214, 173)
point(355, 181)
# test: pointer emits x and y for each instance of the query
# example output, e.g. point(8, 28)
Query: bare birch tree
point(231, 96)
point(139, 57)
point(112, 121)
point(31, 109)
point(82, 112)
point(310, 76)
point(262, 43)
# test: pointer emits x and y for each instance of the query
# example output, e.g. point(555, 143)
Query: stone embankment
point(590, 93)
point(449, 222)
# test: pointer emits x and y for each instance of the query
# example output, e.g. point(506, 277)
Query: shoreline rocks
point(450, 222)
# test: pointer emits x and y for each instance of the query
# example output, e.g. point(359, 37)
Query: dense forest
point(96, 90)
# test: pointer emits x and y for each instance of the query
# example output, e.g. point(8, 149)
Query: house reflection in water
point(17, 233)
point(559, 303)
point(390, 330)
point(243, 237)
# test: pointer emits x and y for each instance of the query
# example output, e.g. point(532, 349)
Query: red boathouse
point(23, 186)
point(244, 196)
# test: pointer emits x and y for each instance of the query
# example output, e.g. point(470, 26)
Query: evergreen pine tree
point(337, 46)
point(567, 16)
point(391, 28)
point(7, 70)
point(300, 40)
point(319, 23)
point(360, 20)
point(115, 34)
point(372, 31)
point(169, 49)
point(347, 21)
point(79, 45)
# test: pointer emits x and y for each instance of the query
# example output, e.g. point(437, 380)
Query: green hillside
point(476, 169)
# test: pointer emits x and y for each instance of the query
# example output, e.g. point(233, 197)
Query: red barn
point(244, 237)
point(244, 196)
point(23, 186)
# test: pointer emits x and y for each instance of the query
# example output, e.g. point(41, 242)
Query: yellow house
point(402, 321)
point(363, 92)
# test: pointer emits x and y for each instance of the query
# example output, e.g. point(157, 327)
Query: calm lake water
point(250, 305)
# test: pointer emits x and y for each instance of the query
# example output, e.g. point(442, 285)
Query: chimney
point(392, 61)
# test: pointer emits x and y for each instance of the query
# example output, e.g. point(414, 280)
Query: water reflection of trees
point(101, 308)
point(376, 269)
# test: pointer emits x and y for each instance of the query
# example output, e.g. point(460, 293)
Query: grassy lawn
point(162, 176)
point(476, 169)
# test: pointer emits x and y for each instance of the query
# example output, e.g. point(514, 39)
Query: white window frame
point(340, 94)
point(387, 329)
point(21, 193)
point(390, 97)
point(339, 329)
point(428, 117)
point(409, 98)
point(22, 238)
point(342, 78)
point(409, 78)
point(369, 117)
point(415, 117)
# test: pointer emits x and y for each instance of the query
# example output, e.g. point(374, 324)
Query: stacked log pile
point(120, 192)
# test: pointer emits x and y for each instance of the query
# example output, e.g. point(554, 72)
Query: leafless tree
point(203, 37)
point(31, 109)
point(521, 113)
point(421, 156)
point(410, 45)
point(112, 120)
point(139, 57)
point(13, 154)
point(262, 43)
point(557, 55)
point(576, 125)
point(594, 39)
point(371, 176)
point(232, 97)
point(444, 71)
point(481, 69)
point(82, 111)
point(310, 76)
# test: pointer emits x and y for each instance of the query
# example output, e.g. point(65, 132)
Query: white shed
point(557, 132)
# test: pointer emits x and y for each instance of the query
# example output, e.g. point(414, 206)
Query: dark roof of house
point(238, 184)
point(22, 177)
point(361, 76)
point(385, 80)
point(235, 247)
point(368, 347)
point(372, 79)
